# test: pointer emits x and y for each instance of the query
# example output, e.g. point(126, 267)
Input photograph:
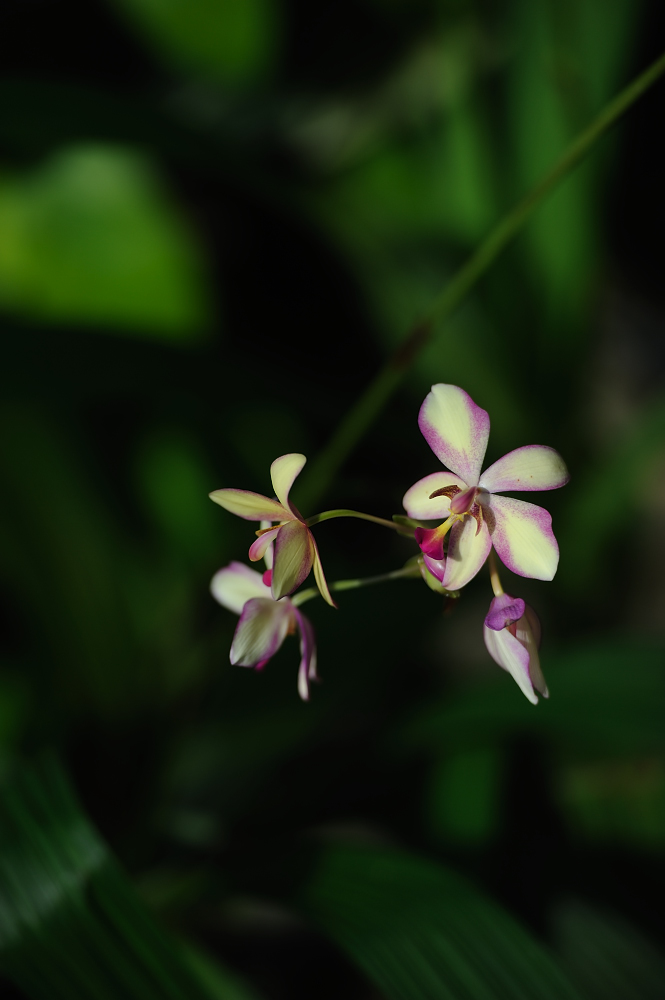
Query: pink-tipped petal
point(251, 506)
point(293, 558)
point(283, 472)
point(512, 656)
point(522, 536)
point(533, 467)
point(417, 501)
point(261, 546)
point(236, 584)
point(456, 430)
point(320, 576)
point(504, 610)
point(263, 626)
point(307, 670)
point(468, 549)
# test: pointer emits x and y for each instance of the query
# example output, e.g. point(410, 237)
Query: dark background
point(216, 220)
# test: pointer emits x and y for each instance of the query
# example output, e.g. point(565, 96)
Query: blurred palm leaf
point(421, 932)
point(607, 956)
point(71, 925)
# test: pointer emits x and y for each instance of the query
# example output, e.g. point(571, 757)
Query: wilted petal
point(293, 558)
point(283, 472)
point(307, 670)
point(467, 551)
point(236, 584)
point(534, 467)
point(510, 654)
point(522, 536)
point(527, 631)
point(251, 506)
point(504, 610)
point(261, 546)
point(417, 501)
point(263, 626)
point(456, 430)
point(320, 576)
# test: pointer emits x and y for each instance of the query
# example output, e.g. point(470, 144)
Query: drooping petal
point(262, 546)
point(251, 506)
point(236, 584)
point(320, 576)
point(417, 501)
point(307, 670)
point(522, 536)
point(510, 654)
point(533, 467)
point(293, 558)
point(263, 626)
point(504, 610)
point(468, 549)
point(456, 430)
point(283, 472)
point(529, 636)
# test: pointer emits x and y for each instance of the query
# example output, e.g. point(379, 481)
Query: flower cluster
point(476, 521)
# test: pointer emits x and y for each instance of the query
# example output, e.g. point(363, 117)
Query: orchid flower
point(512, 637)
point(295, 549)
point(457, 430)
point(264, 623)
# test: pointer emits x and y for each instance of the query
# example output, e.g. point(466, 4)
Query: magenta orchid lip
point(476, 521)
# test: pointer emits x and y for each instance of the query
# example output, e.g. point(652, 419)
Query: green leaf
point(231, 41)
point(605, 955)
point(421, 932)
point(89, 237)
point(71, 925)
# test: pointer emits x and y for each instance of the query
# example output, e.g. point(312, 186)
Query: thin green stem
point(327, 515)
point(362, 414)
point(407, 572)
point(495, 579)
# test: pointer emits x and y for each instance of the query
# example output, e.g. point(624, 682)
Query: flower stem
point(327, 515)
point(362, 414)
point(407, 572)
point(494, 574)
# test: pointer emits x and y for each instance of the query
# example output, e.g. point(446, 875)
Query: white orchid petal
point(283, 472)
point(417, 501)
point(456, 430)
point(512, 656)
point(533, 467)
point(263, 626)
point(236, 584)
point(522, 536)
point(467, 551)
point(251, 506)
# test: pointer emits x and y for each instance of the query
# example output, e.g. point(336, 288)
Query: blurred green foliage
point(312, 175)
